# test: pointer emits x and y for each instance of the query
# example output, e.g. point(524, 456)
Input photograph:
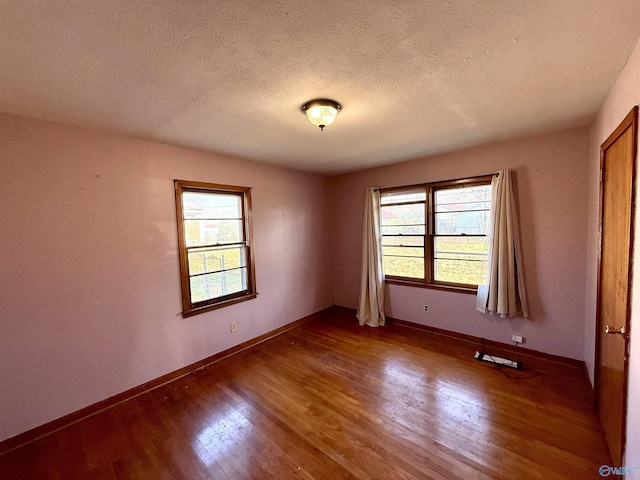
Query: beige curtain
point(371, 304)
point(504, 293)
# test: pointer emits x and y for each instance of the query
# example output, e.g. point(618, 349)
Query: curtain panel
point(503, 293)
point(371, 304)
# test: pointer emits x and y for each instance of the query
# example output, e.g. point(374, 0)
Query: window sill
point(214, 306)
point(434, 286)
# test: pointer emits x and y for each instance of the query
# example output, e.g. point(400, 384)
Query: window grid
point(459, 251)
point(216, 260)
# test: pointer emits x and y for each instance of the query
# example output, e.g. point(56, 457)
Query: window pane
point(460, 271)
point(408, 230)
point(460, 199)
point(216, 259)
point(207, 232)
point(403, 240)
point(404, 267)
point(470, 222)
point(211, 205)
point(462, 210)
point(469, 248)
point(402, 214)
point(404, 251)
point(462, 206)
point(460, 259)
point(404, 196)
point(212, 285)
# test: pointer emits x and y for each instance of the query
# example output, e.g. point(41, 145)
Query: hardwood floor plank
point(332, 400)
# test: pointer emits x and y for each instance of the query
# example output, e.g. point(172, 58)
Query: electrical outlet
point(426, 308)
point(516, 338)
point(233, 327)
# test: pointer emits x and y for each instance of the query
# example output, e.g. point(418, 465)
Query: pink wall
point(90, 294)
point(551, 186)
point(622, 98)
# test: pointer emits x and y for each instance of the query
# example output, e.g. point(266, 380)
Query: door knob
point(608, 329)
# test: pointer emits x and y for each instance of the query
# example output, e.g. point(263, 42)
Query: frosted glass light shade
point(321, 112)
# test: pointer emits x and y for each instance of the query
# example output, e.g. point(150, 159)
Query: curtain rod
point(428, 183)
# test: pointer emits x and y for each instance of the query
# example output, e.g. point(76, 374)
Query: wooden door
point(617, 172)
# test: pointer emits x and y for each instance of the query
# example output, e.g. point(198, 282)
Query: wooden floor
point(332, 400)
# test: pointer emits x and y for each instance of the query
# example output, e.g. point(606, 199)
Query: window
point(436, 234)
point(214, 242)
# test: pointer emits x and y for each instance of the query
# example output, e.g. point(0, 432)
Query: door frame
point(630, 121)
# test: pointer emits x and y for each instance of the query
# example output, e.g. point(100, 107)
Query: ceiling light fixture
point(321, 112)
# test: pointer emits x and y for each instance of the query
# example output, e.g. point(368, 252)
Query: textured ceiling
point(414, 77)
